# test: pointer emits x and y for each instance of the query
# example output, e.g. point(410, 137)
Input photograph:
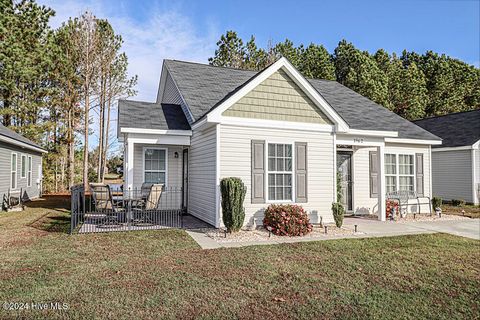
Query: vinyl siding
point(452, 174)
point(362, 203)
point(278, 98)
point(174, 165)
point(235, 161)
point(34, 190)
point(172, 95)
point(202, 175)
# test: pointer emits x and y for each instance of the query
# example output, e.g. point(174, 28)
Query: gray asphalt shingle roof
point(6, 132)
point(456, 129)
point(203, 86)
point(138, 114)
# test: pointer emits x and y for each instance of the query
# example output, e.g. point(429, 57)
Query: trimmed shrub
point(233, 194)
point(458, 202)
point(287, 220)
point(338, 213)
point(436, 202)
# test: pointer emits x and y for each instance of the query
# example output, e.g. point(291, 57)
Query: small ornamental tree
point(338, 213)
point(287, 220)
point(233, 194)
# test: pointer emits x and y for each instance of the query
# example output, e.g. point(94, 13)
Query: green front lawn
point(164, 274)
point(471, 211)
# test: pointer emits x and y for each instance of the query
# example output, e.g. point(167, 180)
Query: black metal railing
point(106, 208)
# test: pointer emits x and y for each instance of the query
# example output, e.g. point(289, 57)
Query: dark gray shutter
point(258, 171)
point(301, 182)
point(373, 174)
point(419, 173)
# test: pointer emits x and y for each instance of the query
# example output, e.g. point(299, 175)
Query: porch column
point(381, 183)
point(129, 162)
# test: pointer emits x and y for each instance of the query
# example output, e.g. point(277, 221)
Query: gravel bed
point(261, 234)
point(433, 217)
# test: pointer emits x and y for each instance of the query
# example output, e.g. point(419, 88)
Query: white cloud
point(162, 34)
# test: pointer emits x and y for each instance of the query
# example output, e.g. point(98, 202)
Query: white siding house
point(286, 137)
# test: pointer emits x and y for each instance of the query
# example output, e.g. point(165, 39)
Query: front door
point(344, 169)
point(185, 180)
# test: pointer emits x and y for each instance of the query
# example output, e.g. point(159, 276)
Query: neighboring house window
point(24, 167)
point(399, 172)
point(155, 165)
point(13, 171)
point(390, 172)
point(29, 173)
point(280, 172)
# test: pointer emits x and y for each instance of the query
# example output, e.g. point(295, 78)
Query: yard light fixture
point(326, 229)
point(438, 211)
point(269, 228)
point(355, 228)
point(463, 212)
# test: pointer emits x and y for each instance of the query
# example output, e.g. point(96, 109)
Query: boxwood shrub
point(287, 220)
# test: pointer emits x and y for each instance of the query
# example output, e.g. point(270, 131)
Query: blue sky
point(188, 30)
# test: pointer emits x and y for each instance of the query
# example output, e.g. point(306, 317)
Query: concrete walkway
point(365, 229)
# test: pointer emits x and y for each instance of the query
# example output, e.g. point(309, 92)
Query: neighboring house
point(283, 135)
point(456, 163)
point(20, 165)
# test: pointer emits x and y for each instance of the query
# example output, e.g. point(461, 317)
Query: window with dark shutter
point(373, 174)
point(419, 173)
point(258, 171)
point(301, 182)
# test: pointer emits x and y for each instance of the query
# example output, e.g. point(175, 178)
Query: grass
point(472, 211)
point(164, 274)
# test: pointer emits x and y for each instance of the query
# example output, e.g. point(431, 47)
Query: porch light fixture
point(175, 154)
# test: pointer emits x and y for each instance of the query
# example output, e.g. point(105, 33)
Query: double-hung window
point(13, 171)
point(406, 172)
point(399, 172)
point(24, 167)
point(390, 172)
point(29, 172)
point(280, 172)
point(155, 165)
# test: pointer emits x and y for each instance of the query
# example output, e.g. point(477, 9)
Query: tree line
point(55, 83)
point(412, 85)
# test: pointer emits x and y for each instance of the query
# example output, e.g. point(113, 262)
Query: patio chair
point(143, 213)
point(104, 204)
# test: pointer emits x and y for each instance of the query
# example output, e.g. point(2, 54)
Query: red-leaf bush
point(392, 205)
point(287, 220)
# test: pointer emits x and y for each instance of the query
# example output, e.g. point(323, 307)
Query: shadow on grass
point(57, 214)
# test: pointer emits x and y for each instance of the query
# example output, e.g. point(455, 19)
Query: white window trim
point(292, 143)
point(166, 162)
point(29, 171)
point(397, 169)
point(12, 171)
point(23, 168)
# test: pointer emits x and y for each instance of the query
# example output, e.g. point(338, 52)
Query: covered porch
point(372, 170)
point(362, 193)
